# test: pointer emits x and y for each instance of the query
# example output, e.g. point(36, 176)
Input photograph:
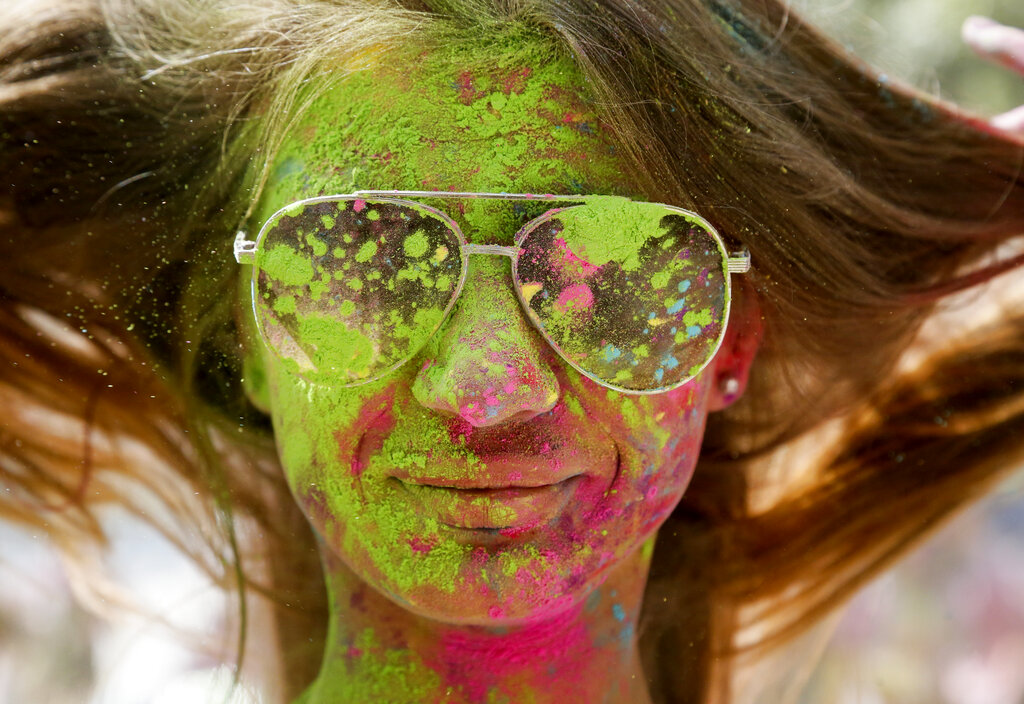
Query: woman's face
point(485, 481)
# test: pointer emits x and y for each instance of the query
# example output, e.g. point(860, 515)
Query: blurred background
point(945, 627)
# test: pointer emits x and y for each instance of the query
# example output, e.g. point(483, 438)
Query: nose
point(487, 364)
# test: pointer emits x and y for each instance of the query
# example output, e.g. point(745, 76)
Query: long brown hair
point(128, 134)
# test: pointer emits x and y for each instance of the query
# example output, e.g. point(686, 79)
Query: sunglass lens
point(347, 290)
point(632, 294)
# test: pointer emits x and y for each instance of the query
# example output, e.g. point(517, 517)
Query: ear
point(254, 371)
point(731, 366)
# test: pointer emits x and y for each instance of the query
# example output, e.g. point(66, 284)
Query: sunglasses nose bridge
point(511, 252)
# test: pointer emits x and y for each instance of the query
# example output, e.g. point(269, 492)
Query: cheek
point(658, 438)
point(317, 431)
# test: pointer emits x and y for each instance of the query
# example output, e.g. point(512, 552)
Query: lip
point(492, 508)
point(505, 471)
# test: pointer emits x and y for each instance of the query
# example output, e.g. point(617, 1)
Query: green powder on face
point(520, 118)
point(379, 675)
point(502, 133)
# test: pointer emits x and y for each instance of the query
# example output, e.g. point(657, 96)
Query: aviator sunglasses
point(348, 288)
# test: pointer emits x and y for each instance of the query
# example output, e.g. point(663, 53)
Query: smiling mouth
point(491, 508)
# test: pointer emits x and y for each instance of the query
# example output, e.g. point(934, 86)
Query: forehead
point(516, 117)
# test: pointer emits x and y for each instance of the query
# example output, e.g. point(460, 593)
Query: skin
point(441, 591)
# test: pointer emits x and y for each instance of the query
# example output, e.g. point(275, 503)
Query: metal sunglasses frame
point(245, 253)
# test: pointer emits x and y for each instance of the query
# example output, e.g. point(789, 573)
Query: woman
point(485, 453)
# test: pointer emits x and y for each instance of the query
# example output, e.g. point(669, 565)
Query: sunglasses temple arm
point(737, 262)
point(245, 250)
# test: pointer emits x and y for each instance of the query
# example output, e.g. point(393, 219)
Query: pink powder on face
point(515, 82)
point(418, 544)
point(380, 425)
point(464, 84)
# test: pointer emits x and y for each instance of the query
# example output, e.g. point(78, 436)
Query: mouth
point(495, 507)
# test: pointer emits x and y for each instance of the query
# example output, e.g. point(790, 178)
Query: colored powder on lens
point(698, 317)
point(676, 306)
point(285, 305)
point(611, 352)
point(530, 290)
point(318, 245)
point(571, 260)
point(284, 264)
point(608, 229)
point(366, 252)
point(336, 343)
point(661, 279)
point(415, 245)
point(575, 297)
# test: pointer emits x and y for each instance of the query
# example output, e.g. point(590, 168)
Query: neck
point(378, 650)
